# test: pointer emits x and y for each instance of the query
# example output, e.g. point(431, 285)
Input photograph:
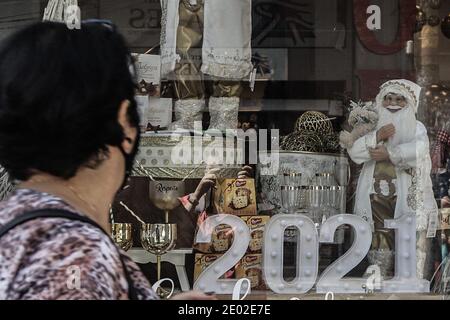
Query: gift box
point(222, 236)
point(445, 218)
point(250, 267)
point(203, 261)
point(256, 224)
point(236, 196)
point(221, 240)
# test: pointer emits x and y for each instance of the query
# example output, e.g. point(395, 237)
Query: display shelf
point(273, 105)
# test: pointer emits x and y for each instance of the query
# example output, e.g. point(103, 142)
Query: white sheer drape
point(226, 38)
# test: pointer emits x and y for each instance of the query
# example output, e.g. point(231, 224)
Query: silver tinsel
point(441, 277)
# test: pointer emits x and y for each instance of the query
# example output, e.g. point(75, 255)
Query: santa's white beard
point(404, 122)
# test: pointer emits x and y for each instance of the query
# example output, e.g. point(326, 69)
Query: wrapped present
point(257, 225)
point(203, 261)
point(236, 196)
point(250, 267)
point(221, 240)
point(445, 219)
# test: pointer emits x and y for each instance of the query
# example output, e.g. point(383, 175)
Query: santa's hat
point(408, 89)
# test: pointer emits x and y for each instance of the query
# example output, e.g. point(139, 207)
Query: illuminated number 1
point(405, 278)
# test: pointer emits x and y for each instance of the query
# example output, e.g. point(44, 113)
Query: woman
point(69, 135)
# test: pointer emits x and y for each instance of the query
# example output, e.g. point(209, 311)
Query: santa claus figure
point(395, 178)
point(206, 40)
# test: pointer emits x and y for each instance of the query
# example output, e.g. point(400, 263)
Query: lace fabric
point(226, 38)
point(186, 113)
point(224, 113)
point(169, 25)
point(226, 64)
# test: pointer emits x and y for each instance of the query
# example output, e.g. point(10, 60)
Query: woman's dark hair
point(60, 93)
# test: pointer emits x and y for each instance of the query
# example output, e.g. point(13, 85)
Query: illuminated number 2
point(209, 281)
point(331, 279)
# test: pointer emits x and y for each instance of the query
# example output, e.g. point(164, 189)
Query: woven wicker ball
point(314, 121)
point(302, 141)
point(331, 143)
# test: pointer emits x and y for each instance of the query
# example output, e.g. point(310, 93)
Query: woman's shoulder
point(81, 260)
point(69, 234)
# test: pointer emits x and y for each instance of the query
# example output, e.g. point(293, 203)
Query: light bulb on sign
point(307, 254)
point(209, 281)
point(405, 278)
point(331, 278)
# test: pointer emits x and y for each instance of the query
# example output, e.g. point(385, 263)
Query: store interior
point(312, 62)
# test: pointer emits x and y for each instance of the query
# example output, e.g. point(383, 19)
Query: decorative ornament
point(302, 141)
point(435, 4)
point(445, 26)
point(434, 20)
point(331, 143)
point(315, 122)
point(421, 20)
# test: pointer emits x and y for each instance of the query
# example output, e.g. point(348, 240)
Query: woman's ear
point(129, 131)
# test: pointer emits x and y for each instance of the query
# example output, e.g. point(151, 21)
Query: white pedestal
point(175, 257)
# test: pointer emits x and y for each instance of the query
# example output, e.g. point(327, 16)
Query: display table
point(176, 257)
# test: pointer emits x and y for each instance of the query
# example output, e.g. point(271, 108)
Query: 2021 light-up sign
point(209, 281)
point(332, 279)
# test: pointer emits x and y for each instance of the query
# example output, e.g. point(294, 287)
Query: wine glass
point(336, 198)
point(303, 197)
point(159, 239)
point(289, 198)
point(315, 201)
point(121, 234)
point(292, 179)
point(165, 195)
point(325, 179)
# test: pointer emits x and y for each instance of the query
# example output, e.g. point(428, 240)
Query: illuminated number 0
point(307, 254)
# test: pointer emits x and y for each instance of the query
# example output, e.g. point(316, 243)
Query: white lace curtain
point(227, 38)
point(55, 9)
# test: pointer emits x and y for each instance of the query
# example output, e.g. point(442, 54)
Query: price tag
point(432, 225)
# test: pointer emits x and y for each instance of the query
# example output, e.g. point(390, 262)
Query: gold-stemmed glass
point(165, 194)
point(159, 239)
point(121, 234)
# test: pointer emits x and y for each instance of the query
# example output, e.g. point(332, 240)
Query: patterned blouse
point(56, 258)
